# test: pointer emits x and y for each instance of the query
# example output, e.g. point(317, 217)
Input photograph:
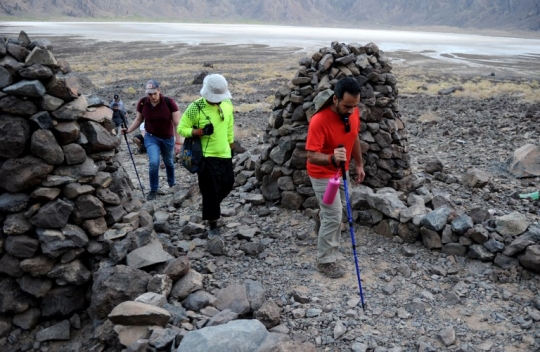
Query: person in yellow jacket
point(211, 118)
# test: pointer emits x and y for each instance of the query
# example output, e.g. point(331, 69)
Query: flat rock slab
point(138, 313)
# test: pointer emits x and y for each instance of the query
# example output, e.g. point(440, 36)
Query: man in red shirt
point(161, 116)
point(333, 125)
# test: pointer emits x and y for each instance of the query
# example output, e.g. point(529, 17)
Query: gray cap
point(323, 99)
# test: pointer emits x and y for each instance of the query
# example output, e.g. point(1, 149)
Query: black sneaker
point(152, 195)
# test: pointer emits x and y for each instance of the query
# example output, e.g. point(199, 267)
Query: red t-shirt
point(327, 131)
point(158, 119)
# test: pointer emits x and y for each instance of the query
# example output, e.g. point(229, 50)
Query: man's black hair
point(346, 85)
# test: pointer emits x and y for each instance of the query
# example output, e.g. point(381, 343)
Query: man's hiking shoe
point(152, 195)
point(332, 270)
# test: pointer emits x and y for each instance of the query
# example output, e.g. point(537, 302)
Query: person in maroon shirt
point(161, 116)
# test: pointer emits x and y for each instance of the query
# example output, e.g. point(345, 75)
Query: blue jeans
point(154, 146)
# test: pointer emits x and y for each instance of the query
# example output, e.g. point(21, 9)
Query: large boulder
point(525, 162)
point(237, 335)
point(115, 285)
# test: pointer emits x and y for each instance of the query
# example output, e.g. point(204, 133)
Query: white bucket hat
point(215, 88)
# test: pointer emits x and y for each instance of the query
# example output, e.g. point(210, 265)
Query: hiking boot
point(214, 233)
point(332, 270)
point(152, 195)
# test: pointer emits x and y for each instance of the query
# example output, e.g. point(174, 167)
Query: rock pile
point(282, 165)
point(430, 216)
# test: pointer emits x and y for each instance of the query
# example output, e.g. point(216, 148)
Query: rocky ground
point(417, 299)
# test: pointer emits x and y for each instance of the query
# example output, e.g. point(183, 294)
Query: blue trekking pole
point(351, 230)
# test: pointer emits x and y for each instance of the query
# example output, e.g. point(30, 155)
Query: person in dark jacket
point(119, 119)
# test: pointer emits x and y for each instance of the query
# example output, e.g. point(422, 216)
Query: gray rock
point(138, 313)
point(477, 251)
point(30, 172)
point(17, 106)
point(15, 132)
point(479, 215)
point(462, 224)
point(233, 297)
point(21, 246)
point(187, 284)
point(13, 202)
point(10, 266)
point(60, 331)
point(63, 301)
point(50, 103)
point(478, 233)
point(521, 242)
point(40, 55)
point(387, 203)
point(387, 228)
point(269, 314)
point(162, 338)
point(150, 254)
point(176, 268)
point(222, 317)
point(5, 77)
point(447, 336)
point(416, 208)
point(431, 239)
point(13, 299)
point(27, 88)
point(436, 219)
point(83, 172)
point(238, 335)
point(37, 266)
point(524, 162)
point(198, 300)
point(36, 286)
point(28, 319)
point(494, 246)
point(73, 273)
point(505, 262)
point(115, 285)
point(36, 71)
point(455, 249)
point(256, 294)
point(512, 224)
point(531, 258)
point(53, 215)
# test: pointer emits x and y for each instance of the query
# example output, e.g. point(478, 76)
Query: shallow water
point(450, 47)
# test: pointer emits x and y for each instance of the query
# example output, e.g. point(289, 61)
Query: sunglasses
point(346, 123)
point(221, 113)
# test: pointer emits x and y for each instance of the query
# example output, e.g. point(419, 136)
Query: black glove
point(208, 129)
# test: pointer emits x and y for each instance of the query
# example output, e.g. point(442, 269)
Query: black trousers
point(216, 181)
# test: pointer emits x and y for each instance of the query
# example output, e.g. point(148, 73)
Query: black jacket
point(119, 118)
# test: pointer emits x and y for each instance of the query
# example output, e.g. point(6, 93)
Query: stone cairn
point(77, 244)
point(282, 165)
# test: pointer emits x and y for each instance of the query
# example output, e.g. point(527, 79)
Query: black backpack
point(192, 151)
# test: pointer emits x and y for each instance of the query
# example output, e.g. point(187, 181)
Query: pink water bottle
point(331, 190)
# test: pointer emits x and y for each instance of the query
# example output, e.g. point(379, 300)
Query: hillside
point(480, 14)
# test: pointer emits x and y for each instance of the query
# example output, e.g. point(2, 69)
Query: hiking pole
point(351, 230)
point(133, 160)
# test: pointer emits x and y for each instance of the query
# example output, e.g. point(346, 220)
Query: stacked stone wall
point(64, 195)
